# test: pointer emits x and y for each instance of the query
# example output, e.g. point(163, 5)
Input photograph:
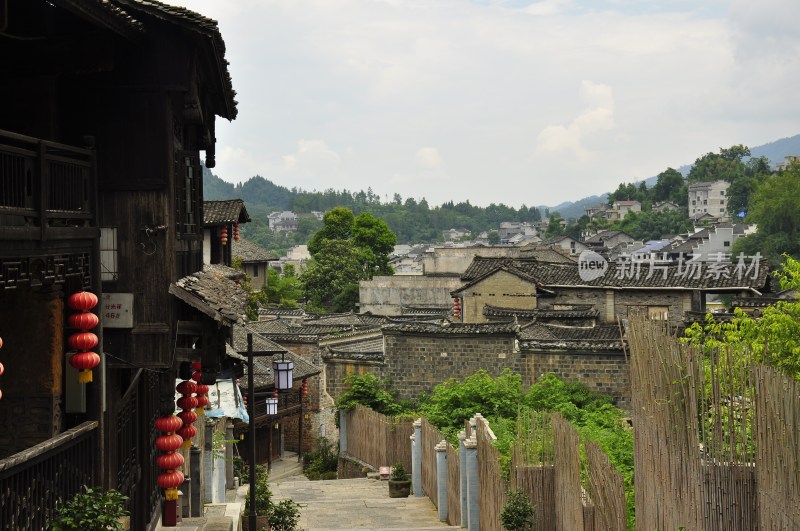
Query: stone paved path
point(362, 504)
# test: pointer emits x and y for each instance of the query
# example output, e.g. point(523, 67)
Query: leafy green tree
point(336, 267)
point(91, 510)
point(774, 208)
point(493, 237)
point(454, 401)
point(726, 165)
point(370, 391)
point(376, 242)
point(773, 338)
point(518, 513)
point(337, 224)
point(283, 289)
point(652, 225)
point(670, 186)
point(554, 226)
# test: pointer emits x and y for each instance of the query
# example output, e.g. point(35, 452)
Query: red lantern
point(82, 301)
point(186, 433)
point(197, 365)
point(168, 424)
point(187, 402)
point(83, 320)
point(170, 481)
point(236, 232)
point(188, 416)
point(197, 376)
point(202, 399)
point(83, 341)
point(187, 387)
point(169, 460)
point(223, 235)
point(305, 387)
point(457, 308)
point(169, 443)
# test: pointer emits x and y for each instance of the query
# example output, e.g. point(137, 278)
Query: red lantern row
point(305, 387)
point(202, 390)
point(187, 403)
point(84, 359)
point(236, 232)
point(170, 460)
point(223, 235)
point(456, 308)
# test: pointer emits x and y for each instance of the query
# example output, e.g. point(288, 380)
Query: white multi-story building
point(709, 197)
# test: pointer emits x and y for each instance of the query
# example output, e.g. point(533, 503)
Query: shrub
point(91, 510)
point(263, 497)
point(518, 513)
point(284, 516)
point(323, 462)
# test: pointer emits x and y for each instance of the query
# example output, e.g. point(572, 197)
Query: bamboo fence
point(567, 461)
point(430, 438)
point(606, 489)
point(532, 469)
point(378, 440)
point(490, 478)
point(453, 486)
point(778, 456)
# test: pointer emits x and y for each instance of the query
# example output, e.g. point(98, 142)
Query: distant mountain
point(774, 151)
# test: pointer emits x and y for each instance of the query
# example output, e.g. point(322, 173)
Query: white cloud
point(598, 116)
point(428, 158)
point(338, 93)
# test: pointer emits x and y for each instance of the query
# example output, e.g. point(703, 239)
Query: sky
point(493, 101)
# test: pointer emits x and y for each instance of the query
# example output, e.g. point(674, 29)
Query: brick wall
point(604, 372)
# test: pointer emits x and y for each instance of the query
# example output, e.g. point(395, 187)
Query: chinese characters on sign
point(117, 310)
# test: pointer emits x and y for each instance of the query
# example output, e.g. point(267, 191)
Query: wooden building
point(107, 106)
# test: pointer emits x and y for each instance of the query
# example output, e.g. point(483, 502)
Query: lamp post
point(282, 373)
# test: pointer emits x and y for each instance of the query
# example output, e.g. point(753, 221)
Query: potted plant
point(93, 509)
point(518, 513)
point(399, 482)
point(263, 503)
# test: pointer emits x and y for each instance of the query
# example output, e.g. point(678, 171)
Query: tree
point(284, 289)
point(727, 165)
point(337, 224)
point(773, 207)
point(554, 226)
point(493, 237)
point(773, 338)
point(336, 267)
point(670, 186)
point(376, 242)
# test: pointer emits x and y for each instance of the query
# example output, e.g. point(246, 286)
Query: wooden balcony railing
point(34, 480)
point(47, 190)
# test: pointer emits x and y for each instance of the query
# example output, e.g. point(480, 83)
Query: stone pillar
point(196, 495)
point(208, 463)
point(416, 459)
point(228, 455)
point(441, 479)
point(342, 431)
point(185, 498)
point(473, 485)
point(462, 462)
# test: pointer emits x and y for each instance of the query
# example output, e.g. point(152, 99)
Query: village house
point(708, 198)
point(221, 221)
point(254, 260)
point(608, 239)
point(285, 221)
point(664, 206)
point(566, 243)
point(619, 209)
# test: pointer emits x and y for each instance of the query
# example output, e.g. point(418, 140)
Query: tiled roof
point(631, 275)
point(224, 212)
point(205, 28)
point(214, 292)
point(584, 311)
point(439, 310)
point(280, 312)
point(274, 326)
point(545, 254)
point(263, 375)
point(452, 328)
point(601, 237)
point(368, 348)
point(601, 337)
point(251, 252)
point(106, 13)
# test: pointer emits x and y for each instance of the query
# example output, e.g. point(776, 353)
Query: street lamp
point(251, 432)
point(272, 406)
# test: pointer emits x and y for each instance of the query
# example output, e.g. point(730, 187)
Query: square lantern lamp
point(282, 371)
point(272, 406)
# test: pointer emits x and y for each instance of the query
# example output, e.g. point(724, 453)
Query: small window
point(722, 192)
point(705, 201)
point(721, 201)
point(255, 271)
point(726, 244)
point(108, 254)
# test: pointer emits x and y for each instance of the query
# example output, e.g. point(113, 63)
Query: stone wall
point(607, 373)
point(614, 304)
point(387, 295)
point(415, 363)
